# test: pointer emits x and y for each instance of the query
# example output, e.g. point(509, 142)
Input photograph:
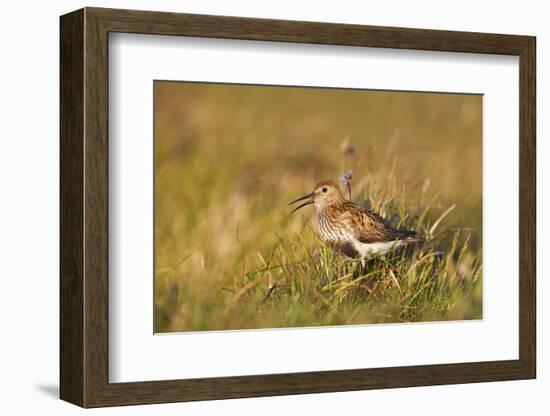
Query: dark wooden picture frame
point(84, 207)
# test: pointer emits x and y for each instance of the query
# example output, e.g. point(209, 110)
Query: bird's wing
point(367, 226)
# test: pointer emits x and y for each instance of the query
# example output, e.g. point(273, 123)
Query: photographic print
point(285, 206)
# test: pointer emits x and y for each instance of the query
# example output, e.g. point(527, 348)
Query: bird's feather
point(368, 227)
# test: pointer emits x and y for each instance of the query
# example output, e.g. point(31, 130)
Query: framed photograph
point(255, 207)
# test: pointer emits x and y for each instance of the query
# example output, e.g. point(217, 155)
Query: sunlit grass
point(229, 255)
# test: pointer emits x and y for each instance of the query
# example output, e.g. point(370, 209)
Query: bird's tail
point(409, 235)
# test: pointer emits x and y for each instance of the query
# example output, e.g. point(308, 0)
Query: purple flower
point(347, 177)
point(346, 181)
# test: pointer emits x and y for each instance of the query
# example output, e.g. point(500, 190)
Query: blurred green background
point(229, 158)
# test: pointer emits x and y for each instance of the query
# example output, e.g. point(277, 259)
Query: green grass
point(230, 158)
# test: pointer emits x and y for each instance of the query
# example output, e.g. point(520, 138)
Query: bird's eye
point(324, 189)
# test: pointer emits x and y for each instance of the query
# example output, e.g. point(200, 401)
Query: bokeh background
point(229, 158)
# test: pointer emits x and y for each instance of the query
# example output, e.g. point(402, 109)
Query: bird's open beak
point(309, 201)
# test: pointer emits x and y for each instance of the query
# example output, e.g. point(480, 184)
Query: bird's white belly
point(371, 250)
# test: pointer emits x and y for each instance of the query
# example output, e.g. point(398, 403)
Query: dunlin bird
point(349, 228)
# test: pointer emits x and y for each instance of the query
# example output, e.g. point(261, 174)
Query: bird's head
point(324, 194)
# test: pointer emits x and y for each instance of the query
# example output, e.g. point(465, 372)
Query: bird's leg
point(360, 267)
